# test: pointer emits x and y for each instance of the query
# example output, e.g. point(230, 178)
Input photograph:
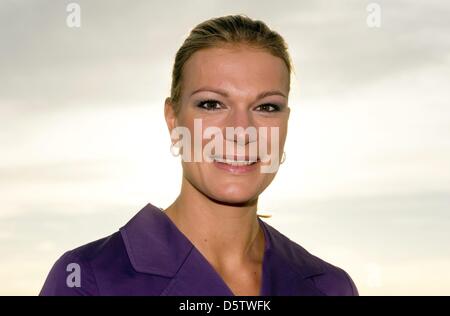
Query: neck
point(227, 234)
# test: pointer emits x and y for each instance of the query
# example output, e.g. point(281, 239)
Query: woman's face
point(232, 80)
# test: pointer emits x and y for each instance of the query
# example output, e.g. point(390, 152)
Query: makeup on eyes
point(270, 107)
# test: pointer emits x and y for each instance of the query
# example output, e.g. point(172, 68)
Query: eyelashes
point(269, 107)
point(206, 105)
point(214, 105)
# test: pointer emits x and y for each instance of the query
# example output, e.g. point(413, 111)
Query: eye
point(209, 105)
point(268, 107)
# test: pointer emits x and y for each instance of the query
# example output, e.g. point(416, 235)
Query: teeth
point(235, 162)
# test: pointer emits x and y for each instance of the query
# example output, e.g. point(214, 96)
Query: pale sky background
point(366, 182)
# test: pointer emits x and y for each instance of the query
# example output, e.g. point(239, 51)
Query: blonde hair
point(221, 31)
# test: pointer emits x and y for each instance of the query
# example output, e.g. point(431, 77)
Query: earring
point(174, 150)
point(283, 157)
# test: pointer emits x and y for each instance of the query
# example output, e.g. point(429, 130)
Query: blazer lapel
point(197, 277)
point(288, 268)
point(156, 246)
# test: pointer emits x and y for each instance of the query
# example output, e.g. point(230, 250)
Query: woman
point(231, 72)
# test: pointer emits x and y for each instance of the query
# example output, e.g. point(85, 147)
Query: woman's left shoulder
point(335, 281)
point(328, 278)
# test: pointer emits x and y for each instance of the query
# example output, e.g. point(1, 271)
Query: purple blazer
point(151, 256)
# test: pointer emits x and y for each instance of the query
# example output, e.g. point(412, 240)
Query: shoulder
point(75, 272)
point(329, 279)
point(334, 281)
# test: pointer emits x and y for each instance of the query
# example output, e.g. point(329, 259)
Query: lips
point(237, 165)
point(236, 161)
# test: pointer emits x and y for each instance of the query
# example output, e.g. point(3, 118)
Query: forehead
point(239, 70)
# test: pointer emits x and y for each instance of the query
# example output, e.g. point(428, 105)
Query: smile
point(236, 165)
point(236, 162)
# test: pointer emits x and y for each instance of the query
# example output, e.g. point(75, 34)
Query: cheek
point(282, 133)
point(274, 137)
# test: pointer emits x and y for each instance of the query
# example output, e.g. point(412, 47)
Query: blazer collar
point(156, 246)
point(291, 254)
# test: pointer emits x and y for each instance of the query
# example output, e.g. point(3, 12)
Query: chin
point(233, 195)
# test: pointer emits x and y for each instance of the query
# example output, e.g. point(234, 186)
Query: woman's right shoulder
point(74, 272)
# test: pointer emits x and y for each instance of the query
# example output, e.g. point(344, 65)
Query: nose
point(241, 121)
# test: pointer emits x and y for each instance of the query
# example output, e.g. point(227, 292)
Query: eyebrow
point(225, 94)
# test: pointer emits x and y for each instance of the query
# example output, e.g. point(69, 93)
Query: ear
point(169, 114)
